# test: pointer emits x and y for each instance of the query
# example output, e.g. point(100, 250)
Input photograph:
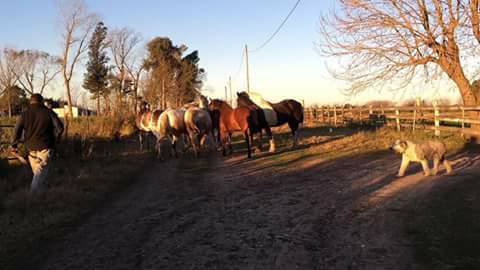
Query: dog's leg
point(436, 162)
point(403, 166)
point(447, 165)
point(426, 169)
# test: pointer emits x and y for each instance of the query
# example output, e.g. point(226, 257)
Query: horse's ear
point(238, 94)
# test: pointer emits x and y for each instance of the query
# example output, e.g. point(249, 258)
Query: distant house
point(77, 111)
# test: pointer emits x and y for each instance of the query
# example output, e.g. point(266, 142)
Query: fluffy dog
point(421, 152)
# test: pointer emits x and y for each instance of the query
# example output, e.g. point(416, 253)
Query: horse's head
point(243, 100)
point(144, 107)
point(202, 102)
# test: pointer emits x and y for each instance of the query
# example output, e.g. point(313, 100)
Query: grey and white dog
point(422, 152)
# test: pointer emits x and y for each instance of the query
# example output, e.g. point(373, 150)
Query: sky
point(287, 67)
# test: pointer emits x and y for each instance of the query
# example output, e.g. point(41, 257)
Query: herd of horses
point(200, 120)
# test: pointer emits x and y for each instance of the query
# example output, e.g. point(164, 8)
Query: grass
point(99, 158)
point(100, 148)
point(326, 143)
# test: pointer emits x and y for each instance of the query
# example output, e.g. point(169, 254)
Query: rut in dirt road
point(235, 214)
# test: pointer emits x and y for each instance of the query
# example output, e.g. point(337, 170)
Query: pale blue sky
point(288, 67)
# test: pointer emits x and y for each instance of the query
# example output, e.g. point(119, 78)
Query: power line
point(239, 67)
point(278, 29)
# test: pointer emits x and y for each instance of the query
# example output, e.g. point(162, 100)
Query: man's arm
point(17, 135)
point(57, 125)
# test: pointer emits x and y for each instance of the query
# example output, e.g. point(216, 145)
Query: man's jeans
point(40, 163)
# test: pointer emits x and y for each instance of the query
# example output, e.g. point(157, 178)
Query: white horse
point(167, 126)
point(198, 123)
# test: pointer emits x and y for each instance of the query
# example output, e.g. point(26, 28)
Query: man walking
point(41, 128)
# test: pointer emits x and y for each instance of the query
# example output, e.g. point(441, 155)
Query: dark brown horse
point(229, 120)
point(286, 111)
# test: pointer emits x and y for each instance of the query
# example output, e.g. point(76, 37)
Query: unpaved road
point(215, 213)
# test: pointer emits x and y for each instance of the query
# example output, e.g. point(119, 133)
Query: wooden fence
point(464, 119)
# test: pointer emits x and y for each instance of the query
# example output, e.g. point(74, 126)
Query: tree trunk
point(98, 105)
point(9, 101)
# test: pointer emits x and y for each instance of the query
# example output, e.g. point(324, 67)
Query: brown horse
point(229, 120)
point(286, 111)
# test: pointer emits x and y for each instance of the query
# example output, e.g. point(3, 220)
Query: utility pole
point(226, 96)
point(230, 85)
point(246, 61)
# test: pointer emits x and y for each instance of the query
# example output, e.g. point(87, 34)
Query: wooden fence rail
point(464, 119)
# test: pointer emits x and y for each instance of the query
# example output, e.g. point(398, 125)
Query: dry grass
point(100, 156)
point(326, 143)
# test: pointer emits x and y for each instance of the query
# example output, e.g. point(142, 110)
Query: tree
point(76, 24)
point(95, 79)
point(13, 99)
point(36, 69)
point(171, 79)
point(122, 43)
point(8, 79)
point(397, 41)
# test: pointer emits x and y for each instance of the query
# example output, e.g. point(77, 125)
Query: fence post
point(417, 103)
point(436, 112)
point(328, 116)
point(370, 109)
point(397, 118)
point(335, 115)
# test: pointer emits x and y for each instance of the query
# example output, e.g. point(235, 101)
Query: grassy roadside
point(326, 144)
point(100, 158)
point(76, 188)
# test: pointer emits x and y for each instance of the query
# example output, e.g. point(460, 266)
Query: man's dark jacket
point(40, 127)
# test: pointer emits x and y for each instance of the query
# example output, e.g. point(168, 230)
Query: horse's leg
point(140, 140)
point(174, 146)
point(260, 141)
point(194, 143)
point(221, 138)
point(272, 141)
point(230, 147)
point(247, 140)
point(294, 128)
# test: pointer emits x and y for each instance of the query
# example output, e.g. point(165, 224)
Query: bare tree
point(385, 41)
point(135, 70)
point(36, 69)
point(122, 43)
point(8, 79)
point(76, 24)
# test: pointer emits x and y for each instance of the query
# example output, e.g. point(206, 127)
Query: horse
point(246, 102)
point(144, 120)
point(165, 125)
point(198, 122)
point(286, 111)
point(230, 120)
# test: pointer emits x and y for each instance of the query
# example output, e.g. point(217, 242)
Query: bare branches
point(385, 42)
point(35, 69)
point(76, 24)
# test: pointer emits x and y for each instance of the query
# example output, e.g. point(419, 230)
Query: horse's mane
point(259, 100)
point(221, 103)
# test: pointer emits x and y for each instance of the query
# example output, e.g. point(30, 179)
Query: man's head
point(36, 99)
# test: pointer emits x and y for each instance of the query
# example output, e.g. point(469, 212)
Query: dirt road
point(215, 213)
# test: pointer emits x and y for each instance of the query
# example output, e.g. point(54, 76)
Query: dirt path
point(213, 213)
